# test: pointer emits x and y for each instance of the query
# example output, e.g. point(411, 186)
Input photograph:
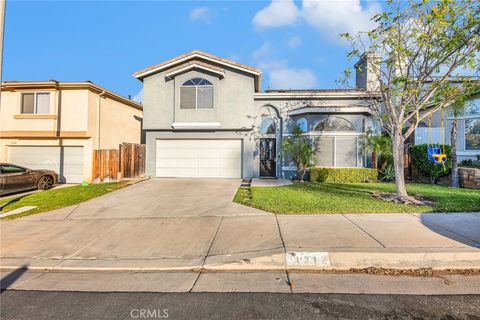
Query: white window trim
point(35, 102)
point(472, 116)
point(328, 133)
point(196, 125)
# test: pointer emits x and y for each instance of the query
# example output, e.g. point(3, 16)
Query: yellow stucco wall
point(118, 122)
point(78, 117)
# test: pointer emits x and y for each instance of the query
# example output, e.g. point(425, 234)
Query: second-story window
point(196, 93)
point(36, 103)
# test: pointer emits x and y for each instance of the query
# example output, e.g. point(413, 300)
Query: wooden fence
point(128, 161)
point(132, 160)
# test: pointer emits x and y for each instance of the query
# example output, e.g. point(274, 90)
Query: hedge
point(419, 156)
point(343, 175)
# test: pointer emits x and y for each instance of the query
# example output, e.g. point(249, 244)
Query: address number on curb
point(310, 259)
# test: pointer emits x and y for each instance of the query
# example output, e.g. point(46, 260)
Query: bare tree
point(425, 58)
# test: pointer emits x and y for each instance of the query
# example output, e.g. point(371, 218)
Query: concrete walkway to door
point(185, 225)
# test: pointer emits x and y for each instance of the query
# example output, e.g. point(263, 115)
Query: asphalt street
point(20, 305)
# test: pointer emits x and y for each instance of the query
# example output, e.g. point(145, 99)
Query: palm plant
point(300, 150)
point(381, 147)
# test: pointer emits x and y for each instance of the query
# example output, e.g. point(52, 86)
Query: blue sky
point(294, 43)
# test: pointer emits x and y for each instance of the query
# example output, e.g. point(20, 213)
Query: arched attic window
point(268, 126)
point(196, 93)
point(335, 124)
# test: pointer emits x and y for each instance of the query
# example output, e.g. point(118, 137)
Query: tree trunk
point(302, 174)
point(453, 142)
point(374, 160)
point(398, 145)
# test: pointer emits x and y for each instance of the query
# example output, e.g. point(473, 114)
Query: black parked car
point(14, 178)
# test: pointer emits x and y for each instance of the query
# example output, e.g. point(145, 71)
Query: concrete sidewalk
point(255, 242)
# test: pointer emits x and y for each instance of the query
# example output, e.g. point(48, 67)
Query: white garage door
point(66, 161)
point(199, 158)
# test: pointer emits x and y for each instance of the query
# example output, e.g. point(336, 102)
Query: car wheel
point(45, 183)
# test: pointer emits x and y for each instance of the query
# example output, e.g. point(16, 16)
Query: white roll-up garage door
point(66, 161)
point(199, 158)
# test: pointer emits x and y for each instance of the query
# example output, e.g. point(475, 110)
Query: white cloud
point(200, 14)
point(280, 74)
point(294, 41)
point(329, 17)
point(139, 96)
point(335, 17)
point(263, 52)
point(277, 13)
point(291, 78)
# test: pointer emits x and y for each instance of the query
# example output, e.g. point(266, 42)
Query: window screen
point(28, 105)
point(187, 97)
point(196, 93)
point(204, 97)
point(43, 103)
point(346, 151)
point(324, 152)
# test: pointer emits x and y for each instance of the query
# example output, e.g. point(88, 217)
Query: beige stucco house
point(57, 125)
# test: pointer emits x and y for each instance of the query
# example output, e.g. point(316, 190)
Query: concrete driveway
point(157, 198)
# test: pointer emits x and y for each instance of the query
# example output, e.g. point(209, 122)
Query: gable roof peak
point(193, 55)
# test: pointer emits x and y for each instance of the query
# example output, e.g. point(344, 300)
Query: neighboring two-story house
point(438, 131)
point(57, 125)
point(205, 116)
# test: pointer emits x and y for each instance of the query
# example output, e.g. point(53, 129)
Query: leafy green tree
point(419, 48)
point(299, 148)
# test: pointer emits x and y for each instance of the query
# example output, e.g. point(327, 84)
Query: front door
point(268, 164)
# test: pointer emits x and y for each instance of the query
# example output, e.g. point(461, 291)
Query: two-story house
point(205, 116)
point(57, 125)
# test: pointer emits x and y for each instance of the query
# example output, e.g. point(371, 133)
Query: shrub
point(420, 161)
point(343, 175)
point(470, 163)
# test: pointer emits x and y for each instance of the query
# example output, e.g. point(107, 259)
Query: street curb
point(292, 261)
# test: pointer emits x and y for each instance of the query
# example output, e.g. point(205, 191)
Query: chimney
point(366, 72)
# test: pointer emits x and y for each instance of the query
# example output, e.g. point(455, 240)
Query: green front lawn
point(57, 198)
point(354, 198)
